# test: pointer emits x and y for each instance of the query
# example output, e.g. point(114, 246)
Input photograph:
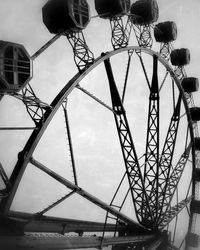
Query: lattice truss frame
point(148, 199)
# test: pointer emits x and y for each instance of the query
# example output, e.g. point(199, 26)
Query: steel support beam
point(86, 195)
point(17, 128)
point(174, 211)
point(133, 171)
point(174, 179)
point(48, 224)
point(165, 163)
point(69, 138)
point(42, 242)
point(152, 145)
point(45, 46)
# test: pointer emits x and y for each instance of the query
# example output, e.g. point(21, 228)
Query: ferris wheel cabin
point(144, 12)
point(68, 16)
point(15, 67)
point(190, 84)
point(112, 8)
point(165, 32)
point(180, 57)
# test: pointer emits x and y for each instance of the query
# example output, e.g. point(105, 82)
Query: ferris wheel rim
point(61, 96)
point(36, 135)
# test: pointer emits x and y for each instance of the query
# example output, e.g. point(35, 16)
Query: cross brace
point(83, 56)
point(120, 32)
point(174, 211)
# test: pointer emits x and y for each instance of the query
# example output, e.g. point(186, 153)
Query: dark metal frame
point(143, 35)
point(120, 32)
point(128, 150)
point(25, 155)
point(83, 56)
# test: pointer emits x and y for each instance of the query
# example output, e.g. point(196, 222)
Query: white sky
point(93, 131)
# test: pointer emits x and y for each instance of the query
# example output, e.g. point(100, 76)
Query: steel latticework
point(152, 145)
point(120, 32)
point(165, 162)
point(143, 35)
point(159, 160)
point(82, 54)
point(128, 150)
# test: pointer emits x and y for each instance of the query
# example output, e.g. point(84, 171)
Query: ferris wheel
point(112, 160)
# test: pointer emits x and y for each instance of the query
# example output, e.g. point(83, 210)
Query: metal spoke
point(128, 149)
point(152, 144)
point(167, 155)
point(55, 204)
point(44, 47)
point(146, 192)
point(130, 53)
point(144, 69)
point(112, 204)
point(119, 207)
point(189, 189)
point(17, 128)
point(70, 142)
point(50, 224)
point(163, 81)
point(85, 194)
point(174, 180)
point(174, 211)
point(94, 98)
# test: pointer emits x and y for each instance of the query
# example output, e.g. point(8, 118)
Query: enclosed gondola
point(112, 8)
point(165, 32)
point(190, 84)
point(144, 12)
point(66, 15)
point(180, 57)
point(195, 113)
point(15, 67)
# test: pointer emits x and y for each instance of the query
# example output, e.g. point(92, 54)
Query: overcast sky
point(94, 136)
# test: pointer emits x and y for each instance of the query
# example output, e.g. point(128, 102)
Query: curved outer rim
point(26, 153)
